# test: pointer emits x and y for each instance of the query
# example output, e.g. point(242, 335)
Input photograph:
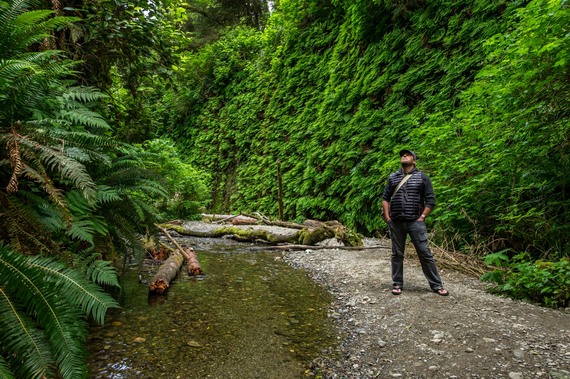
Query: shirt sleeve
point(387, 194)
point(429, 195)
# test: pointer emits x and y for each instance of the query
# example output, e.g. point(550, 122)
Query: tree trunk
point(166, 273)
point(280, 191)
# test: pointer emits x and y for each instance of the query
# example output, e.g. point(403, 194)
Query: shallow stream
point(250, 316)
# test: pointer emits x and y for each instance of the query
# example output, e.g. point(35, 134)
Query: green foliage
point(128, 50)
point(41, 330)
point(511, 136)
point(186, 186)
point(330, 91)
point(543, 282)
point(496, 259)
point(208, 19)
point(68, 190)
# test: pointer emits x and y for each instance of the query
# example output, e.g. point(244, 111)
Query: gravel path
point(469, 334)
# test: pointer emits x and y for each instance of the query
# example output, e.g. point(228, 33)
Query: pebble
point(518, 353)
point(563, 374)
point(515, 375)
point(193, 343)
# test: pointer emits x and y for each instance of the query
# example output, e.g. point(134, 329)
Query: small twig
point(169, 237)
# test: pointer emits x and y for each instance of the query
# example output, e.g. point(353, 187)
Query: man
point(407, 200)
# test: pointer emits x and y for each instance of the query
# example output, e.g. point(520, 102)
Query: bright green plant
point(331, 90)
point(68, 191)
point(43, 305)
point(543, 282)
point(186, 187)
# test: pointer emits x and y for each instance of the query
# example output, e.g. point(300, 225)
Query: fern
point(97, 270)
point(107, 194)
point(83, 94)
point(31, 355)
point(35, 284)
point(4, 369)
point(85, 117)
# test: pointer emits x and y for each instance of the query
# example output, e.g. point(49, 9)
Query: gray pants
point(418, 233)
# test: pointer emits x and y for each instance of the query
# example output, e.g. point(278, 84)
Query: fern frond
point(97, 270)
point(107, 194)
point(103, 273)
point(16, 163)
point(82, 116)
point(46, 184)
point(84, 94)
point(28, 26)
point(26, 346)
point(12, 69)
point(78, 204)
point(41, 211)
point(74, 138)
point(21, 224)
point(58, 162)
point(90, 297)
point(151, 187)
point(82, 230)
point(38, 284)
point(5, 372)
point(85, 223)
point(41, 297)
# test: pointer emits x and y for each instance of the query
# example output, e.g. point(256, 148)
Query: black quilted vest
point(411, 199)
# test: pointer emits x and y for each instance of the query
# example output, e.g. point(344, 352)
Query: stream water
point(250, 316)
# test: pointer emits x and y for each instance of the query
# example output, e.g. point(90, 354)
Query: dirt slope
point(469, 334)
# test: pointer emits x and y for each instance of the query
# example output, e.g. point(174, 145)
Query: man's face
point(407, 159)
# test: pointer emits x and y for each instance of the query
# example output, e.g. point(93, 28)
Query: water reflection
point(252, 316)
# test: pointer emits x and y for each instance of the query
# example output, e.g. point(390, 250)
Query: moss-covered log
point(312, 232)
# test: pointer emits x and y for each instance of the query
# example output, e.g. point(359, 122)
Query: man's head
point(407, 158)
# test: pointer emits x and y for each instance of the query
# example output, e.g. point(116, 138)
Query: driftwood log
point(166, 273)
point(192, 265)
point(310, 233)
point(246, 219)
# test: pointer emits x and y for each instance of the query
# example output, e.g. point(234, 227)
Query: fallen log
point(166, 273)
point(216, 218)
point(316, 231)
point(244, 233)
point(192, 265)
point(243, 220)
point(311, 233)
